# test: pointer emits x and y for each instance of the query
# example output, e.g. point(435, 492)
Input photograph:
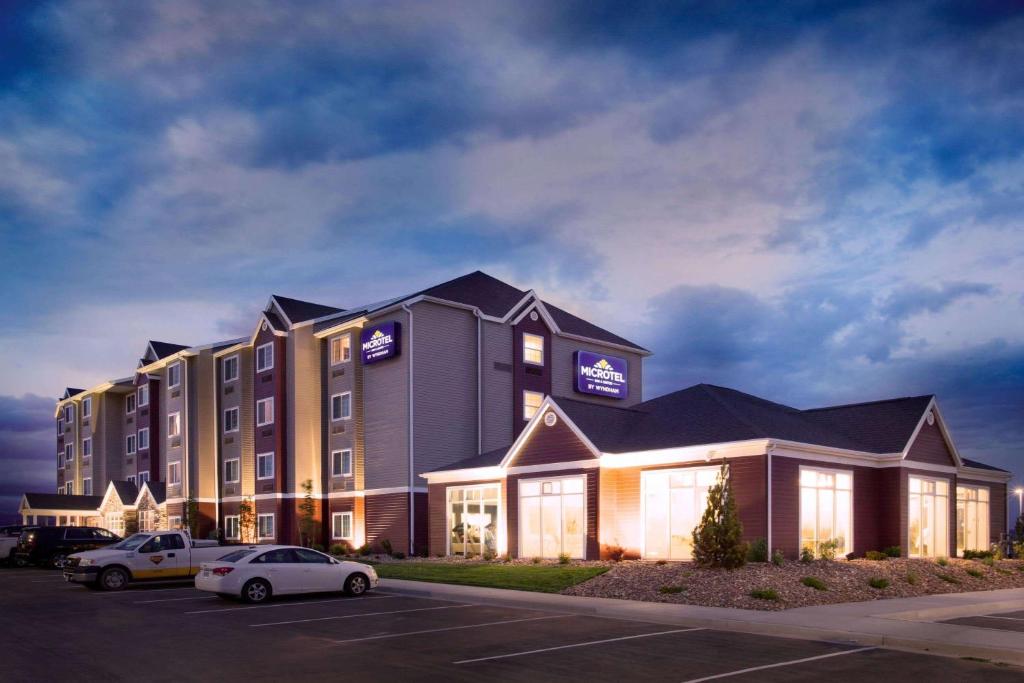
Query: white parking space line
point(357, 616)
point(285, 604)
point(992, 616)
point(135, 592)
point(449, 628)
point(48, 580)
point(566, 647)
point(149, 602)
point(779, 664)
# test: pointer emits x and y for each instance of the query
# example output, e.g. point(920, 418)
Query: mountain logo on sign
point(602, 369)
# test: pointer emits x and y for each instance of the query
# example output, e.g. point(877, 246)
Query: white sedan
point(256, 573)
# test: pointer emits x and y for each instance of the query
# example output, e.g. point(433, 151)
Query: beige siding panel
point(343, 434)
point(563, 373)
point(445, 401)
point(204, 426)
point(386, 414)
point(496, 385)
point(303, 405)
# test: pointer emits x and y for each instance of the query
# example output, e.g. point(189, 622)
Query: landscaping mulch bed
point(844, 581)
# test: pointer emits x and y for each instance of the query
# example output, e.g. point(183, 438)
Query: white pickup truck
point(154, 555)
point(9, 543)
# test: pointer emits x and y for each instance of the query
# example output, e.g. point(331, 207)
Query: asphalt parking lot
point(172, 632)
point(1002, 621)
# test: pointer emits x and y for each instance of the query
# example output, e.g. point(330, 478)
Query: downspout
point(218, 468)
point(412, 476)
point(186, 488)
point(768, 497)
point(479, 388)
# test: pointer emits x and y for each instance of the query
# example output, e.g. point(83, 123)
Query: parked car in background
point(255, 574)
point(51, 545)
point(152, 555)
point(9, 543)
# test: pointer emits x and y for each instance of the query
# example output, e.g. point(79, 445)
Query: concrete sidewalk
point(902, 624)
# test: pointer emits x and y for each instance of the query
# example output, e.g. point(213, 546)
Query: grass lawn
point(538, 578)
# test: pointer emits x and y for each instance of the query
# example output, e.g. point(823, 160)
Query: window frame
point(174, 467)
point(266, 413)
point(270, 456)
point(143, 391)
point(138, 440)
point(987, 527)
point(536, 409)
point(269, 345)
point(69, 414)
point(130, 400)
point(177, 424)
point(86, 486)
point(86, 447)
point(853, 505)
point(237, 413)
point(538, 363)
point(337, 530)
point(238, 527)
point(238, 470)
point(950, 497)
point(259, 527)
point(141, 478)
point(340, 339)
point(176, 368)
point(87, 407)
point(224, 368)
point(341, 406)
point(131, 478)
point(69, 453)
point(69, 488)
point(174, 522)
point(341, 463)
point(131, 444)
point(500, 541)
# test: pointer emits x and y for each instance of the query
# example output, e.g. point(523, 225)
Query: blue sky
point(815, 204)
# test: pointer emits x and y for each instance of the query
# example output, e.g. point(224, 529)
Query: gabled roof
point(163, 349)
point(571, 324)
point(298, 311)
point(59, 501)
point(982, 466)
point(488, 459)
point(158, 489)
point(71, 391)
point(126, 491)
point(879, 426)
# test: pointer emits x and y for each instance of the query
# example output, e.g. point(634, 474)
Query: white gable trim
point(548, 404)
point(933, 407)
point(272, 303)
point(539, 306)
point(263, 319)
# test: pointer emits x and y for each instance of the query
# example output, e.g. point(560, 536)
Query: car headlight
point(86, 562)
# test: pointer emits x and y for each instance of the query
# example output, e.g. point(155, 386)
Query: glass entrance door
point(552, 517)
point(473, 520)
point(928, 517)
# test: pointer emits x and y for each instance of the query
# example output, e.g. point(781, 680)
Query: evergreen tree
point(718, 539)
point(191, 515)
point(247, 521)
point(307, 515)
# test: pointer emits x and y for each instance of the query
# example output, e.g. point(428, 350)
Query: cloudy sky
point(815, 205)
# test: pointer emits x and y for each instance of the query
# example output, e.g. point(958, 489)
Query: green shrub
point(976, 573)
point(947, 578)
point(671, 590)
point(893, 551)
point(778, 559)
point(827, 549)
point(365, 549)
point(814, 582)
point(661, 563)
point(878, 583)
point(563, 558)
point(942, 562)
point(398, 555)
point(385, 545)
point(718, 538)
point(806, 556)
point(765, 594)
point(875, 555)
point(758, 551)
point(489, 554)
point(977, 554)
point(341, 548)
point(536, 560)
point(912, 578)
point(988, 561)
point(319, 547)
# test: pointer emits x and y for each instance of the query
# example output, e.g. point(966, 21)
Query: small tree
point(718, 539)
point(190, 513)
point(307, 515)
point(246, 521)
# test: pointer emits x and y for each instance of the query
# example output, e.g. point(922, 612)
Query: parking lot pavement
point(172, 631)
point(1000, 621)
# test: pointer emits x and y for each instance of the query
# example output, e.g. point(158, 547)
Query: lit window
point(341, 349)
point(341, 463)
point(231, 527)
point(972, 518)
point(265, 526)
point(129, 403)
point(533, 349)
point(230, 368)
point(341, 525)
point(265, 357)
point(231, 420)
point(341, 406)
point(826, 510)
point(87, 486)
point(129, 444)
point(174, 425)
point(87, 408)
point(472, 520)
point(173, 375)
point(928, 517)
point(144, 395)
point(174, 522)
point(144, 438)
point(86, 447)
point(265, 466)
point(265, 411)
point(531, 403)
point(174, 473)
point(231, 471)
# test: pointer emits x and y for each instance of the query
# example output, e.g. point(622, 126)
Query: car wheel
point(256, 591)
point(357, 584)
point(58, 560)
point(113, 579)
point(20, 562)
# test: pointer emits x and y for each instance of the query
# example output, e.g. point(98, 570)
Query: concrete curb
point(946, 639)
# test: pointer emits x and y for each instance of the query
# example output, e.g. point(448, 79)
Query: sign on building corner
point(602, 375)
point(380, 342)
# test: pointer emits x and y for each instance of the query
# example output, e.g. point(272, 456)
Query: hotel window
point(144, 438)
point(69, 414)
point(531, 403)
point(265, 411)
point(533, 349)
point(173, 425)
point(173, 375)
point(143, 476)
point(146, 520)
point(60, 460)
point(69, 453)
point(60, 425)
point(265, 466)
point(86, 486)
point(341, 463)
point(69, 488)
point(174, 522)
point(673, 504)
point(231, 420)
point(265, 526)
point(341, 406)
point(341, 349)
point(231, 471)
point(928, 517)
point(552, 517)
point(826, 510)
point(231, 527)
point(174, 473)
point(341, 525)
point(144, 395)
point(86, 447)
point(114, 521)
point(472, 517)
point(265, 357)
point(231, 368)
point(87, 408)
point(972, 518)
point(131, 478)
point(129, 403)
point(129, 444)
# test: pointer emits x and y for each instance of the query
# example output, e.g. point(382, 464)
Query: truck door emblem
point(156, 559)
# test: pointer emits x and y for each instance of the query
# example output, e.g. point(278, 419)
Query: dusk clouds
point(818, 203)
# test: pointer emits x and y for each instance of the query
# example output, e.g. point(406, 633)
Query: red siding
point(548, 445)
point(930, 446)
point(387, 517)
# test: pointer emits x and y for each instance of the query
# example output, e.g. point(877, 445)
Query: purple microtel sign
point(381, 342)
point(601, 375)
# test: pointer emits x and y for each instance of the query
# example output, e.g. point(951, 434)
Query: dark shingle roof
point(58, 501)
point(164, 349)
point(880, 426)
point(158, 489)
point(71, 391)
point(275, 321)
point(126, 491)
point(570, 324)
point(981, 465)
point(488, 459)
point(300, 311)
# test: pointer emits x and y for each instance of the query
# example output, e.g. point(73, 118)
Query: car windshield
point(235, 556)
point(132, 542)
